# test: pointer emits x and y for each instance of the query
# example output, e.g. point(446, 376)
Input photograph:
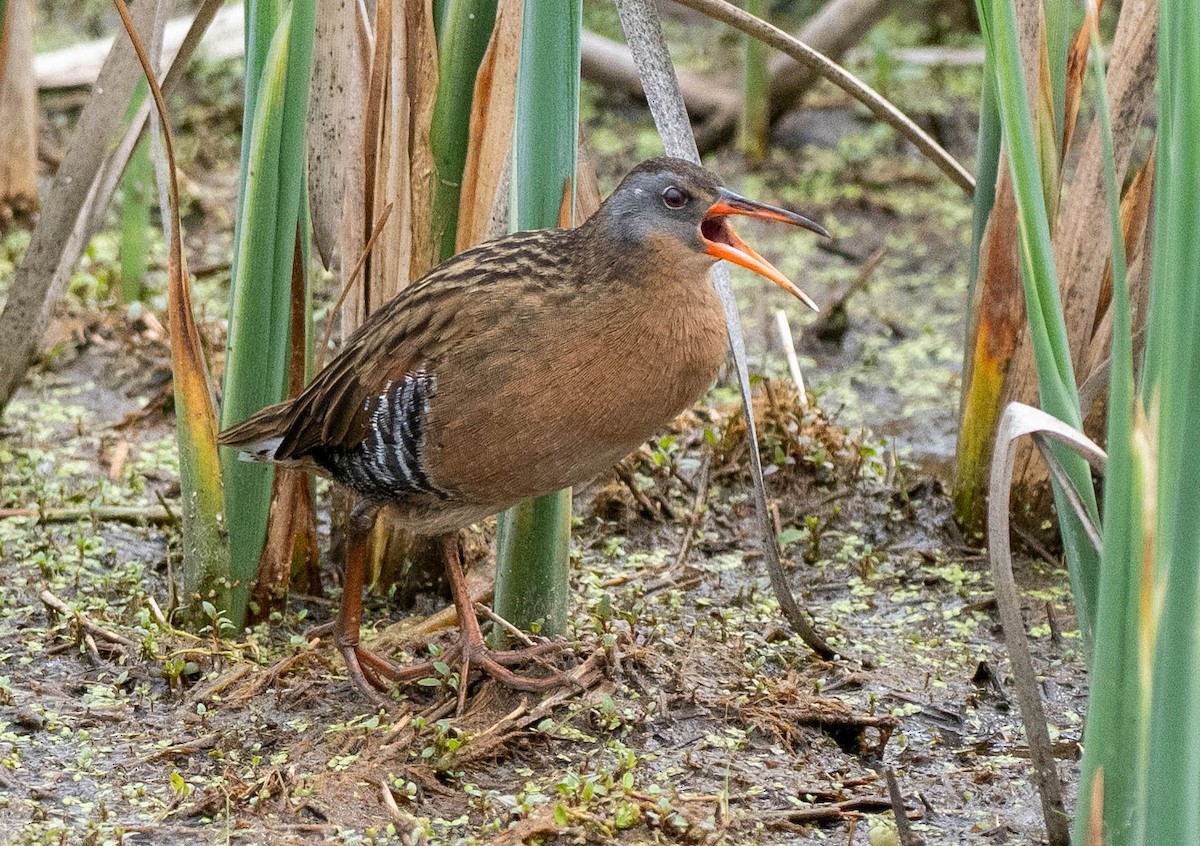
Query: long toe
point(514, 657)
point(372, 673)
point(496, 665)
point(510, 679)
point(362, 675)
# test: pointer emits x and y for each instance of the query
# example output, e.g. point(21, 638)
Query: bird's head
point(672, 201)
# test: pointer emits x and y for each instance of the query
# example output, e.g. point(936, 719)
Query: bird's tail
point(259, 436)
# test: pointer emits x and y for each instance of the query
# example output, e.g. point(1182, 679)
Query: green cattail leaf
point(462, 39)
point(272, 184)
point(1168, 456)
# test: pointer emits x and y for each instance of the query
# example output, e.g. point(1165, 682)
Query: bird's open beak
point(721, 241)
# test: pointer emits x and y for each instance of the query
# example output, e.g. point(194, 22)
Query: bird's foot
point(373, 674)
point(496, 664)
point(362, 665)
point(367, 670)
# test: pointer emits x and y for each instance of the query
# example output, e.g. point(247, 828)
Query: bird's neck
point(654, 307)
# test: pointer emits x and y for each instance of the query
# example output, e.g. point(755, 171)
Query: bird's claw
point(362, 675)
point(373, 674)
point(496, 665)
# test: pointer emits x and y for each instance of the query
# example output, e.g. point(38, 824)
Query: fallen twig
point(157, 613)
point(210, 688)
point(406, 634)
point(582, 678)
point(833, 323)
point(671, 577)
point(512, 630)
point(389, 802)
point(1036, 545)
point(153, 514)
point(898, 810)
point(627, 478)
point(86, 626)
point(693, 519)
point(185, 747)
point(789, 352)
point(834, 812)
point(860, 281)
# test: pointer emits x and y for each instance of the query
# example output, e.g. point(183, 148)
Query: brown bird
point(519, 367)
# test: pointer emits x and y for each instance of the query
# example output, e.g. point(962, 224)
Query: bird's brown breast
point(562, 385)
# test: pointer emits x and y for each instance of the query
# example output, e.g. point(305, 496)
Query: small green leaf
point(181, 787)
point(627, 815)
point(790, 536)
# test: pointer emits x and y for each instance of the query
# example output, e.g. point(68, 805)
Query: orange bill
point(723, 243)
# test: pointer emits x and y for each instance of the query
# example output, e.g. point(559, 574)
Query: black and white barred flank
point(386, 464)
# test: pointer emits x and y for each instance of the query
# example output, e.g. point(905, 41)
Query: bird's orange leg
point(475, 652)
point(368, 672)
point(371, 673)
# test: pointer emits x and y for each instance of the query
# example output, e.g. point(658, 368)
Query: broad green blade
point(532, 547)
point(462, 39)
point(1171, 395)
point(987, 164)
point(1116, 702)
point(272, 180)
point(1061, 23)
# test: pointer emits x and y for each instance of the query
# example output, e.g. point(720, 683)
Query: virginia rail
point(519, 367)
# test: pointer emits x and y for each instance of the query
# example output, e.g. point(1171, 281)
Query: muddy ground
point(697, 717)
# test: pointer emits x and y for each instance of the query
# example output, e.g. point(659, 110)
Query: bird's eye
point(673, 198)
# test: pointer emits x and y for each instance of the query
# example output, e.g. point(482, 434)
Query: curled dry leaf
point(1017, 421)
point(996, 323)
point(493, 110)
